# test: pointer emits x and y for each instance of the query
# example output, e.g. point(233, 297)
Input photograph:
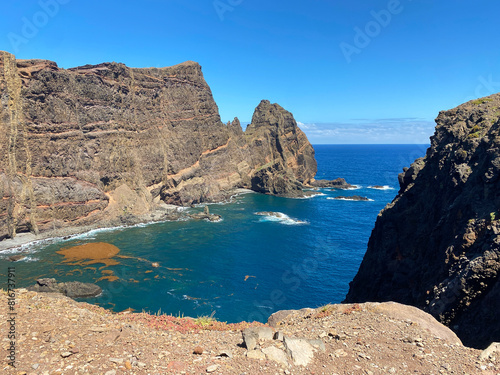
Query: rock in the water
point(437, 244)
point(352, 198)
point(338, 183)
point(76, 289)
point(205, 215)
point(72, 289)
point(15, 258)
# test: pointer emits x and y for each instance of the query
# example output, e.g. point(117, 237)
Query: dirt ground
point(56, 335)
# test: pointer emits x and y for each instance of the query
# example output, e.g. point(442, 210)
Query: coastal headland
point(107, 145)
point(104, 143)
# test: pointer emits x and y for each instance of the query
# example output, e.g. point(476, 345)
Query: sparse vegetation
point(183, 324)
point(474, 135)
point(206, 320)
point(352, 309)
point(481, 101)
point(324, 311)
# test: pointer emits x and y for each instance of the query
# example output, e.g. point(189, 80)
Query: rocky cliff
point(82, 145)
point(437, 245)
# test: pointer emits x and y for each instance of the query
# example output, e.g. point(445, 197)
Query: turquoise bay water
point(247, 266)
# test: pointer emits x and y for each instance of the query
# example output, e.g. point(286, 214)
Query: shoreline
point(26, 240)
point(164, 213)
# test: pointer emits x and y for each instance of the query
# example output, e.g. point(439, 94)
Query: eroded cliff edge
point(81, 145)
point(437, 245)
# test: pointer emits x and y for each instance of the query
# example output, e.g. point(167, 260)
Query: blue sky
point(350, 71)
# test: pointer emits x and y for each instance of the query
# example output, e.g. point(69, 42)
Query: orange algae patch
point(248, 276)
point(109, 278)
point(91, 253)
point(70, 273)
point(148, 271)
point(107, 272)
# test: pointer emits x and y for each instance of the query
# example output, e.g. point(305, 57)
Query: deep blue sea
point(246, 266)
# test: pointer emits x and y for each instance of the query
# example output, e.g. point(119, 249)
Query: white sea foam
point(310, 196)
point(215, 221)
point(349, 199)
point(280, 217)
point(385, 187)
point(91, 233)
point(31, 247)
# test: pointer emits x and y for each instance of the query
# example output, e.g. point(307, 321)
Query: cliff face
point(91, 143)
point(281, 149)
point(437, 245)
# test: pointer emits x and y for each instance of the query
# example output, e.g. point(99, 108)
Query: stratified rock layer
point(81, 145)
point(437, 245)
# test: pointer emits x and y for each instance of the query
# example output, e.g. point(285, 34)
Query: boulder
point(72, 289)
point(252, 336)
point(300, 351)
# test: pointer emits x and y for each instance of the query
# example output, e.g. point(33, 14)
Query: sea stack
point(437, 245)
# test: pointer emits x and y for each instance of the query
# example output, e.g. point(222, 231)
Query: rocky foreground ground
point(56, 335)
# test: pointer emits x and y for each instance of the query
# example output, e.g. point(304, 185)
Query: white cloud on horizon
point(365, 131)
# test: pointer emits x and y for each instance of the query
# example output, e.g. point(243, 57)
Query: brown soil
point(56, 335)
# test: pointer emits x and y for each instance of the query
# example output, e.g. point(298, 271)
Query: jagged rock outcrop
point(437, 245)
point(83, 145)
point(285, 156)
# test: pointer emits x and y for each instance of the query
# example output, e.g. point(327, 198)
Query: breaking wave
point(280, 217)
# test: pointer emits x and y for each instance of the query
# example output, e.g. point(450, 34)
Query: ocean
point(248, 265)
